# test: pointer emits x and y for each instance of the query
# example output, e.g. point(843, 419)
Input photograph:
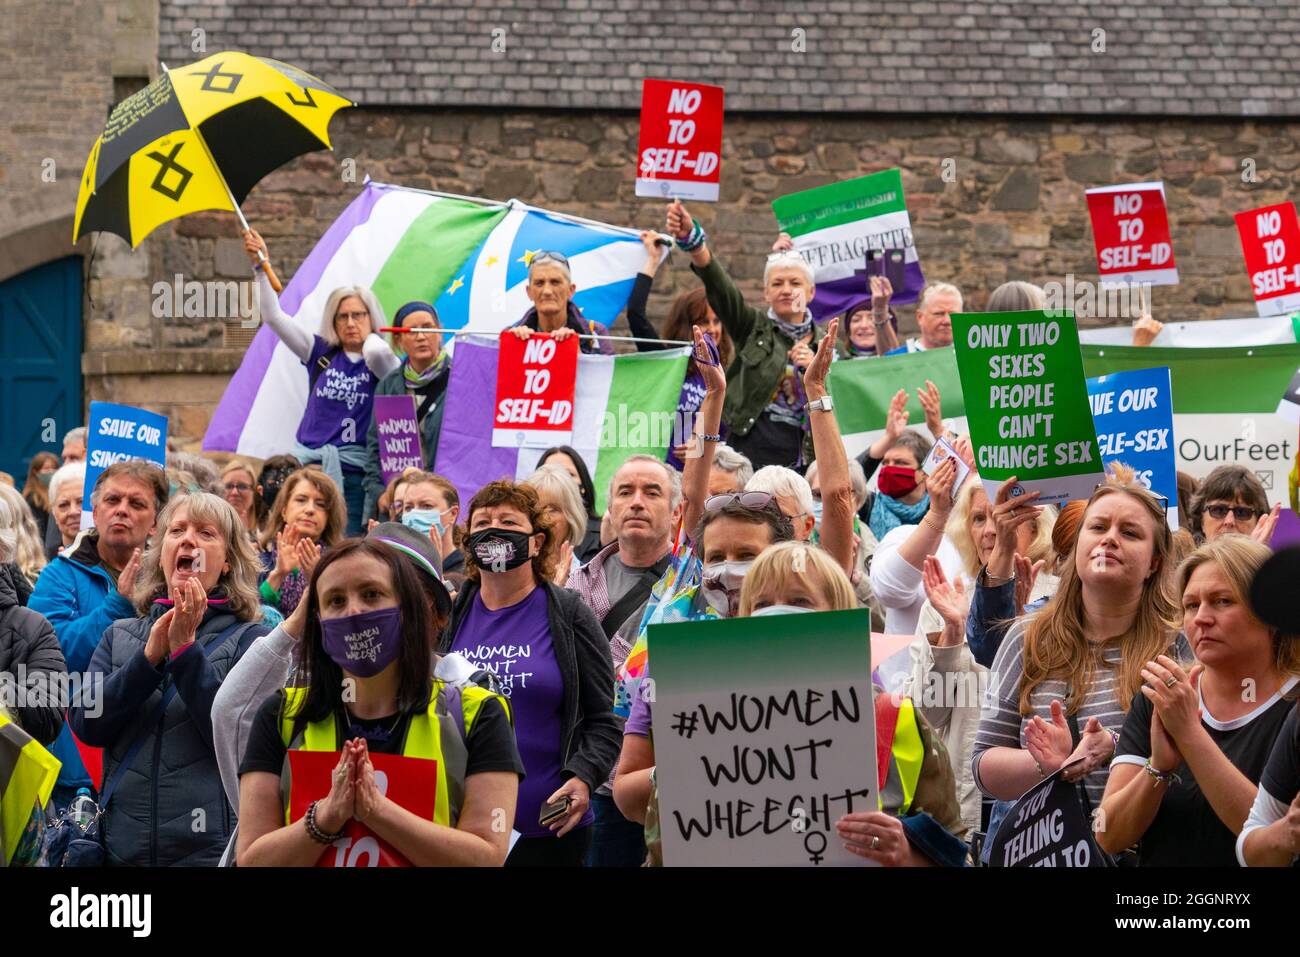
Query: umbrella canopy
point(200, 137)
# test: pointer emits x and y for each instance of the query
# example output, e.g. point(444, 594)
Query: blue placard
point(119, 432)
point(1134, 415)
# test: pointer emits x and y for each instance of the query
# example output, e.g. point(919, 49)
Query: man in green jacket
point(766, 410)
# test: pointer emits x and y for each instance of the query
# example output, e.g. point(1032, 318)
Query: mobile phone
point(895, 268)
point(553, 812)
point(875, 264)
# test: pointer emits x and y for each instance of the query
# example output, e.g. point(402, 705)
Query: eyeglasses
point(754, 500)
point(420, 331)
point(1242, 513)
point(349, 316)
point(238, 487)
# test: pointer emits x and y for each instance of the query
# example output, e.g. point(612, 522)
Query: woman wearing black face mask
point(548, 652)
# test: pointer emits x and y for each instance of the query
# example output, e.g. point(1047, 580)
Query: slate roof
point(1224, 58)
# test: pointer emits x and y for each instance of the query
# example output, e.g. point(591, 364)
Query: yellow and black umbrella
point(200, 137)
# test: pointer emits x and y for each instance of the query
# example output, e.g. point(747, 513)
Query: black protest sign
point(1047, 827)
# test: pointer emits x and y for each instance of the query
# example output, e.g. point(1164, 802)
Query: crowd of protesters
point(239, 618)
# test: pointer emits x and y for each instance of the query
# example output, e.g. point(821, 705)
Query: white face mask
point(721, 583)
point(780, 610)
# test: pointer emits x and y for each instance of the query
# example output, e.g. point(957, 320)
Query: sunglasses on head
point(1242, 513)
point(753, 500)
point(548, 256)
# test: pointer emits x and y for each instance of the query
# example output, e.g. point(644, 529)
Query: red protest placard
point(410, 782)
point(679, 150)
point(1270, 238)
point(1130, 227)
point(536, 378)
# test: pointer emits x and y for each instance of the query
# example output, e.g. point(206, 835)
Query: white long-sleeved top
point(898, 586)
point(378, 355)
point(260, 673)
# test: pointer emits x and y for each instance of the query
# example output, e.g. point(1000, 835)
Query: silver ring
point(875, 841)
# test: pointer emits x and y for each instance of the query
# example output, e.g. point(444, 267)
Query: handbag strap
point(634, 596)
point(133, 752)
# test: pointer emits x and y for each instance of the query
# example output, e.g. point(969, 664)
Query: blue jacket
point(151, 820)
point(79, 598)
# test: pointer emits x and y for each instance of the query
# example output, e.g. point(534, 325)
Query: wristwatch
point(823, 404)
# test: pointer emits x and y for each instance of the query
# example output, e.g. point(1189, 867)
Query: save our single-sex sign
point(1026, 403)
point(117, 433)
point(1270, 239)
point(398, 431)
point(1130, 227)
point(765, 735)
point(1134, 415)
point(680, 147)
point(536, 378)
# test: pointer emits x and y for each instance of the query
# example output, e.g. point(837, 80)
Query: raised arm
point(886, 335)
point(832, 461)
point(929, 533)
point(297, 339)
point(724, 298)
point(708, 423)
point(637, 323)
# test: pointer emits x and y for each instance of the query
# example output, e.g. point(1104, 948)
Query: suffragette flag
point(623, 405)
point(404, 244)
point(834, 227)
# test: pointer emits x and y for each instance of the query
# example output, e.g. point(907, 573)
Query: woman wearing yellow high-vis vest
point(378, 758)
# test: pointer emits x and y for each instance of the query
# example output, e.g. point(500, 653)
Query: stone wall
point(1014, 208)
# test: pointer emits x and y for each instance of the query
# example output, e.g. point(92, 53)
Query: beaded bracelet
point(709, 438)
point(1160, 777)
point(314, 831)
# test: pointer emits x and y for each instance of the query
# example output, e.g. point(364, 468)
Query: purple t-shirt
point(344, 390)
point(514, 644)
point(639, 719)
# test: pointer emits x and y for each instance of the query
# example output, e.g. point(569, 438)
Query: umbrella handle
point(265, 265)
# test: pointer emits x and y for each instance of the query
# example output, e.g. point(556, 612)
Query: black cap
point(419, 549)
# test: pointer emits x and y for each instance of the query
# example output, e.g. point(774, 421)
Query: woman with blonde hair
point(1194, 746)
point(345, 361)
point(199, 612)
point(28, 551)
point(941, 655)
point(1064, 678)
point(917, 823)
point(562, 504)
point(239, 484)
point(308, 516)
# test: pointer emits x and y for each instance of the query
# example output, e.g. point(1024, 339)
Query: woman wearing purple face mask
point(552, 659)
point(418, 756)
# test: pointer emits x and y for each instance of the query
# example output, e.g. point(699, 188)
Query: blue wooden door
point(40, 375)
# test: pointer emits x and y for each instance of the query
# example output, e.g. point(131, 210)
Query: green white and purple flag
point(404, 244)
point(623, 405)
point(834, 227)
point(467, 256)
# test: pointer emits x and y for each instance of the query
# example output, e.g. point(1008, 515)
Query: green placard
point(1027, 403)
